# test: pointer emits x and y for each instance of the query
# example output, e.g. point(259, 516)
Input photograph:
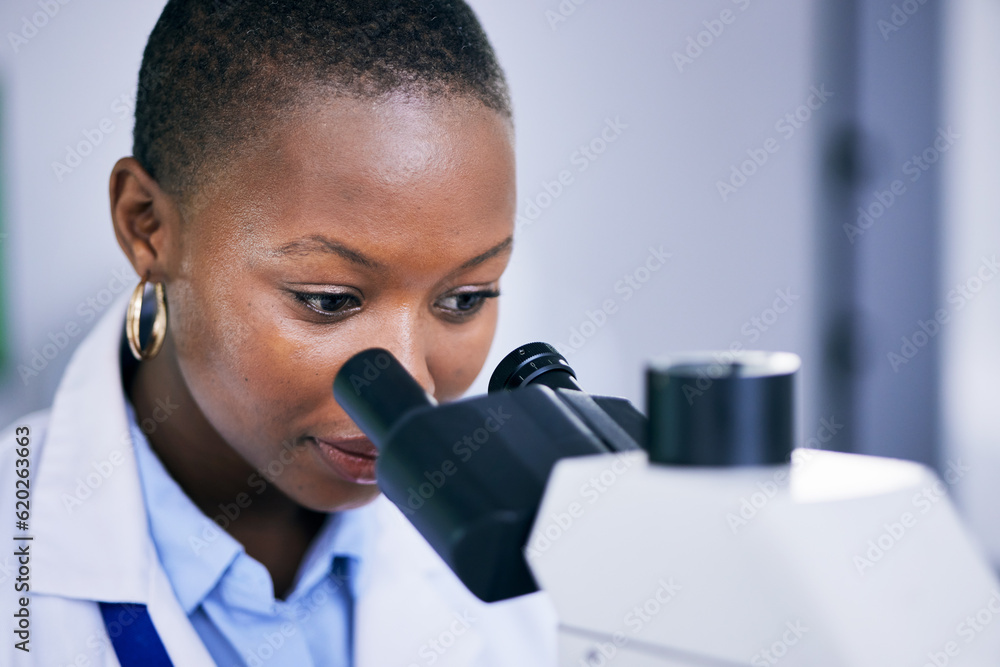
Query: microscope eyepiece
point(534, 363)
point(376, 391)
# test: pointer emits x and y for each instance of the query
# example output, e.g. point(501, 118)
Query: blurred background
point(816, 176)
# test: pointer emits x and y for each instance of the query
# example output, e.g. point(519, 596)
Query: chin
point(339, 499)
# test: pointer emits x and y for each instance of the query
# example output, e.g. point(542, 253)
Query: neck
point(214, 476)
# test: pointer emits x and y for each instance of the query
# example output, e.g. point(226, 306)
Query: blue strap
point(136, 642)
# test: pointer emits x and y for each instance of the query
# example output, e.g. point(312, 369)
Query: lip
point(351, 459)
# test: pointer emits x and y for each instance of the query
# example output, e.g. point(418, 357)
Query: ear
point(147, 220)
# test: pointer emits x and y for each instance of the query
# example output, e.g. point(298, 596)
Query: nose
point(408, 345)
point(416, 365)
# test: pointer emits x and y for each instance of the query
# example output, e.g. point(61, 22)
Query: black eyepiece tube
point(534, 363)
point(376, 391)
point(470, 475)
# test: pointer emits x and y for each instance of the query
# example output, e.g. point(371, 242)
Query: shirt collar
point(343, 534)
point(197, 554)
point(194, 550)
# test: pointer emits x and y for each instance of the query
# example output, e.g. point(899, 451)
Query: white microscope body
point(833, 560)
point(691, 536)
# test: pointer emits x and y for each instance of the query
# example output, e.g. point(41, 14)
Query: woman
point(310, 179)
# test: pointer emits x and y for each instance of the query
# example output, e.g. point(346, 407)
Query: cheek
point(253, 380)
point(459, 357)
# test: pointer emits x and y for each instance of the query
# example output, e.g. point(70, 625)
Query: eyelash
point(311, 300)
point(482, 297)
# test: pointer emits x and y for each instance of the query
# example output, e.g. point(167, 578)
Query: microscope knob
point(530, 364)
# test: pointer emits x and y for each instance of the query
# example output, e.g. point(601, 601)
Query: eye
point(328, 303)
point(462, 305)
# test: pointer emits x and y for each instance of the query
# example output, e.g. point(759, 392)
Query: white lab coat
point(413, 613)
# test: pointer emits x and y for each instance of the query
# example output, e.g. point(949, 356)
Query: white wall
point(72, 74)
point(971, 363)
point(655, 185)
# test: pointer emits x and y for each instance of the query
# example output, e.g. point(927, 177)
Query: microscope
point(692, 535)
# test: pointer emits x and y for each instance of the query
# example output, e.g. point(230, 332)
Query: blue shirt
point(229, 596)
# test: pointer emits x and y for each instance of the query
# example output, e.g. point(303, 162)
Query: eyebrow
point(319, 243)
point(489, 254)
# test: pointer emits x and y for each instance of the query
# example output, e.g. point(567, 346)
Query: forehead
point(391, 170)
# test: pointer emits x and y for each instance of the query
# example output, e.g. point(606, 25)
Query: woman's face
point(356, 225)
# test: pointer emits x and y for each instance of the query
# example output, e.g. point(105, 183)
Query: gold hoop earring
point(159, 331)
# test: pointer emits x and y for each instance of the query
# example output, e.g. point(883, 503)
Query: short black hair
point(216, 73)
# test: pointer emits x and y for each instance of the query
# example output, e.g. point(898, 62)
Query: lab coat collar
point(405, 608)
point(89, 518)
